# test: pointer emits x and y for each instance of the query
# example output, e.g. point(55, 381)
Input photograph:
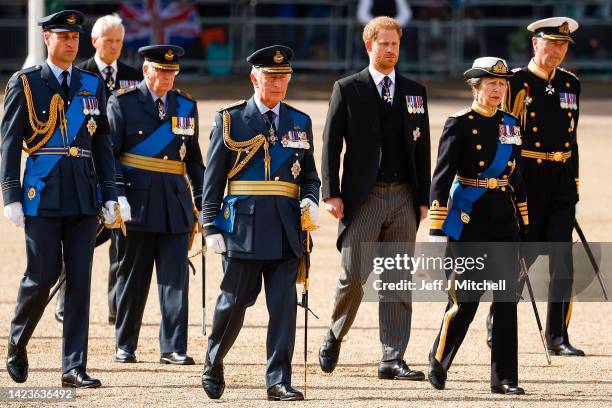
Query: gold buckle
point(73, 151)
point(557, 156)
point(492, 183)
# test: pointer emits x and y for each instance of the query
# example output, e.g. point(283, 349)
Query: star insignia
point(550, 90)
point(416, 133)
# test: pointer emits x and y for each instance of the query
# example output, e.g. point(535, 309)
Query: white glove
point(201, 218)
point(108, 212)
point(216, 243)
point(438, 238)
point(313, 209)
point(124, 209)
point(14, 212)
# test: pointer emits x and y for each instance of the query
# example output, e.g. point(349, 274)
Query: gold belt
point(71, 151)
point(490, 183)
point(552, 156)
point(153, 164)
point(264, 188)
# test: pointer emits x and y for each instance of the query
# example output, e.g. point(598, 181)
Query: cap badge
point(71, 19)
point(564, 28)
point(499, 68)
point(169, 55)
point(278, 57)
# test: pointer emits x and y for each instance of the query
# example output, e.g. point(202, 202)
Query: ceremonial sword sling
point(303, 277)
point(587, 248)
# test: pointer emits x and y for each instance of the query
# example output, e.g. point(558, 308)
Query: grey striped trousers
point(386, 216)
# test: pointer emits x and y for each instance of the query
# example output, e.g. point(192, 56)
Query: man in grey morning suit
point(382, 118)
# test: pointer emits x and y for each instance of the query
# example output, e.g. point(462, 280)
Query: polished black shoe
point(565, 349)
point(507, 389)
point(176, 359)
point(213, 381)
point(17, 363)
point(112, 319)
point(78, 378)
point(59, 316)
point(122, 356)
point(329, 353)
point(398, 370)
point(489, 323)
point(284, 392)
point(436, 374)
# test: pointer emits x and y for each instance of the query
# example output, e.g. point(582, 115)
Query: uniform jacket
point(160, 202)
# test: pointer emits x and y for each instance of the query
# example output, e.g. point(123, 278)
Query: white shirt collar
point(102, 65)
point(378, 76)
point(57, 71)
point(263, 108)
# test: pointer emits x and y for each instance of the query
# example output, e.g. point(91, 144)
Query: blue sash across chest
point(38, 169)
point(463, 198)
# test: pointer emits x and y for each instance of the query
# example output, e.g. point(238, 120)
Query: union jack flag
point(159, 22)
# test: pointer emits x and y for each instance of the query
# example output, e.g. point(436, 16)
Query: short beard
point(382, 63)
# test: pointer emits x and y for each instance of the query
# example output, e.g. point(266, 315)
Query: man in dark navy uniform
point(155, 142)
point(262, 149)
point(545, 97)
point(107, 38)
point(57, 112)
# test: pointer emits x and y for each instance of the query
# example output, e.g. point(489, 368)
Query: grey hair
point(474, 83)
point(150, 65)
point(256, 72)
point(105, 23)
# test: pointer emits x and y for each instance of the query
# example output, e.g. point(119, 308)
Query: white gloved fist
point(216, 243)
point(108, 212)
point(438, 238)
point(14, 212)
point(125, 209)
point(313, 209)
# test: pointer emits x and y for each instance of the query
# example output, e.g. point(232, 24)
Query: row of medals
point(296, 168)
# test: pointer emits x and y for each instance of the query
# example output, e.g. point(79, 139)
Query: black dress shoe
point(507, 389)
point(565, 349)
point(329, 353)
point(489, 323)
point(17, 363)
point(176, 359)
point(436, 374)
point(78, 378)
point(212, 380)
point(122, 356)
point(398, 370)
point(59, 316)
point(284, 392)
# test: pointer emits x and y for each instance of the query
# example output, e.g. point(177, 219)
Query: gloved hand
point(124, 209)
point(14, 212)
point(313, 209)
point(216, 243)
point(438, 238)
point(108, 212)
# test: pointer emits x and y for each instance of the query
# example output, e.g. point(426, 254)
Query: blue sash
point(158, 140)
point(37, 170)
point(463, 198)
point(278, 156)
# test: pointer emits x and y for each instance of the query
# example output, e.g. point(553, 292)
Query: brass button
point(481, 163)
point(532, 114)
point(140, 132)
point(539, 161)
point(165, 157)
point(276, 178)
point(503, 188)
point(502, 119)
point(474, 131)
point(567, 144)
point(510, 163)
point(505, 176)
point(534, 129)
point(569, 114)
point(471, 116)
point(567, 84)
point(538, 144)
point(525, 84)
point(478, 147)
point(569, 130)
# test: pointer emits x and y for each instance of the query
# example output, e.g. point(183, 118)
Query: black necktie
point(108, 77)
point(64, 84)
point(160, 108)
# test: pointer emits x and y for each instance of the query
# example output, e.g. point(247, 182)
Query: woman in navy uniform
point(477, 157)
point(160, 171)
point(56, 112)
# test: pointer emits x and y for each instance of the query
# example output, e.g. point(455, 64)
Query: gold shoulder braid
point(250, 147)
point(518, 109)
point(56, 111)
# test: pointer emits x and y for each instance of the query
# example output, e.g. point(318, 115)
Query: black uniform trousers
point(462, 307)
point(137, 252)
point(240, 287)
point(49, 242)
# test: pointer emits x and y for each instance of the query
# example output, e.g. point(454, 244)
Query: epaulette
point(568, 72)
point(184, 94)
point(232, 105)
point(460, 113)
point(123, 91)
point(295, 109)
point(21, 72)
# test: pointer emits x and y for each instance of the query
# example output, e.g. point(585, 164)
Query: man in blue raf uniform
point(155, 142)
point(57, 114)
point(263, 150)
point(545, 98)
